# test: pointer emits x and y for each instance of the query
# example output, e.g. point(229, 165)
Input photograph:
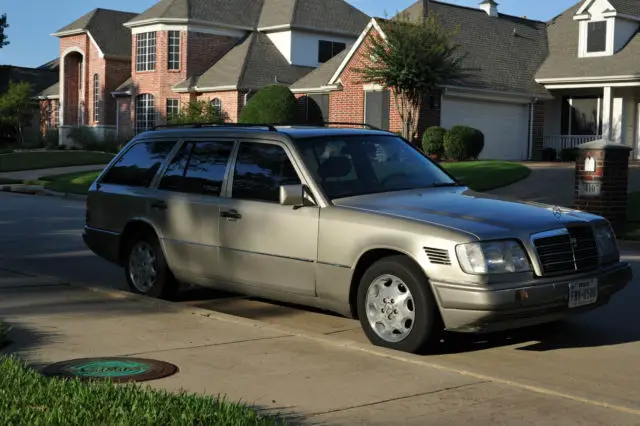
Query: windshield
point(347, 166)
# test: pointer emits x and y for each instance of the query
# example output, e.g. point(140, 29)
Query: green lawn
point(18, 161)
point(28, 398)
point(486, 175)
point(72, 183)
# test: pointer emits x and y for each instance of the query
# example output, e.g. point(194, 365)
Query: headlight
point(493, 257)
point(607, 243)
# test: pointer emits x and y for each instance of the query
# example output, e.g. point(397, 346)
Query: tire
point(161, 284)
point(392, 275)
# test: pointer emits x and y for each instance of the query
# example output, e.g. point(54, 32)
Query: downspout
point(246, 96)
point(530, 144)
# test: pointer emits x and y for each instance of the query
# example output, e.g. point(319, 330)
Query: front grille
point(567, 251)
point(438, 256)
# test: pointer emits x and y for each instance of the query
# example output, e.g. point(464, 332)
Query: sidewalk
point(36, 174)
point(271, 367)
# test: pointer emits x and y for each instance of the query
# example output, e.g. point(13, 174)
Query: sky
point(32, 21)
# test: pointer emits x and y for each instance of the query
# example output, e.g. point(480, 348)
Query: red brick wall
point(117, 71)
point(204, 50)
point(231, 103)
point(125, 113)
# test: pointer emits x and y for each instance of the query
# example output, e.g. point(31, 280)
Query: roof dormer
point(605, 27)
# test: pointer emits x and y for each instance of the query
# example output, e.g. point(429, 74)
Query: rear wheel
point(396, 306)
point(146, 269)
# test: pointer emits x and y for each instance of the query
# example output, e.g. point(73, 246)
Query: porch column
point(606, 113)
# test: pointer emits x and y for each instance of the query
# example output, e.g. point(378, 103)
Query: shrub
point(51, 139)
point(568, 154)
point(84, 137)
point(197, 111)
point(272, 104)
point(463, 142)
point(433, 141)
point(549, 154)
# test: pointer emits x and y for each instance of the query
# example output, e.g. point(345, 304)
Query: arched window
point(216, 103)
point(96, 98)
point(145, 112)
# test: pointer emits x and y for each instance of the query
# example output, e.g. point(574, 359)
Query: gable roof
point(320, 76)
point(236, 13)
point(50, 92)
point(335, 16)
point(251, 64)
point(626, 7)
point(564, 63)
point(106, 28)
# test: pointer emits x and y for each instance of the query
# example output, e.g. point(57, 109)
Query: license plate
point(583, 293)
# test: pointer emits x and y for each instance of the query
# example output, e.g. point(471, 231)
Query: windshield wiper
point(444, 184)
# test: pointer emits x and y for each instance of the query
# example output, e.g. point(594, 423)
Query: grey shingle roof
point(321, 75)
point(53, 90)
point(563, 60)
point(242, 13)
point(125, 86)
point(39, 78)
point(106, 28)
point(626, 7)
point(327, 15)
point(497, 58)
point(252, 64)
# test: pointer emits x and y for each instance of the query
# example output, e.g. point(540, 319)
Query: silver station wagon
point(350, 220)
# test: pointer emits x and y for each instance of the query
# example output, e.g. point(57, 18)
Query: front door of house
point(376, 108)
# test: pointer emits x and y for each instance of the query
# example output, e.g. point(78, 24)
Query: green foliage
point(433, 141)
point(487, 175)
point(568, 154)
point(17, 108)
point(271, 105)
point(29, 398)
point(415, 59)
point(463, 142)
point(3, 26)
point(197, 111)
point(549, 154)
point(18, 161)
point(51, 139)
point(85, 138)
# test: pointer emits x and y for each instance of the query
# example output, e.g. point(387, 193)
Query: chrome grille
point(438, 256)
point(567, 251)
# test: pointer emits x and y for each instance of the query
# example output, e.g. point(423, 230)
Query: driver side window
point(259, 172)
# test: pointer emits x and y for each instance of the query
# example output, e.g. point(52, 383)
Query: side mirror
point(292, 195)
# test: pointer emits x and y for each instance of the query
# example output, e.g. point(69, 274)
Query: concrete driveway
point(553, 183)
point(593, 359)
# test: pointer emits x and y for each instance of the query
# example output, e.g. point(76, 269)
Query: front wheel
point(396, 306)
point(146, 269)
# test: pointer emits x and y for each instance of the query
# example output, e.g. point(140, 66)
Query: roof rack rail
point(201, 125)
point(329, 123)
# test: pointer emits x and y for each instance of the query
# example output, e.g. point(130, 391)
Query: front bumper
point(476, 310)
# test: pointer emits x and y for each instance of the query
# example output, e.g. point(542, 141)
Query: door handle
point(160, 205)
point(230, 214)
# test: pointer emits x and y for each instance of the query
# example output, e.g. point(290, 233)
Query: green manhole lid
point(118, 369)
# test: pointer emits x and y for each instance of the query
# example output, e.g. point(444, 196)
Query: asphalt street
point(592, 358)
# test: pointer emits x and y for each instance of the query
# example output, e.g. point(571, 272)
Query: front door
point(263, 243)
point(185, 207)
point(376, 108)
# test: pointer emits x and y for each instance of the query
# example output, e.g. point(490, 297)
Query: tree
point(3, 26)
point(271, 105)
point(17, 107)
point(197, 111)
point(412, 60)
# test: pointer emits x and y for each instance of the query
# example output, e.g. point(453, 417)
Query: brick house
point(214, 50)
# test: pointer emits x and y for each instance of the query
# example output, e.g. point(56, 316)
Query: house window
point(596, 37)
point(581, 116)
point(174, 50)
point(145, 113)
point(56, 112)
point(146, 52)
point(216, 104)
point(329, 49)
point(173, 107)
point(96, 98)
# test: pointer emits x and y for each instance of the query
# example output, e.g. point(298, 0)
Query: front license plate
point(583, 293)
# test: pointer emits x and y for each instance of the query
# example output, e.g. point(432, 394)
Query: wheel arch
point(132, 228)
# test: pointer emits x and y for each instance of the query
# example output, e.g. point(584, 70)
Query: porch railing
point(560, 142)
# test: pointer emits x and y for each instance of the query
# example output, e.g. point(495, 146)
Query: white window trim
point(219, 106)
point(144, 58)
point(584, 34)
point(96, 98)
point(178, 52)
point(148, 111)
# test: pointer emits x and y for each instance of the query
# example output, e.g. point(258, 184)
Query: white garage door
point(505, 126)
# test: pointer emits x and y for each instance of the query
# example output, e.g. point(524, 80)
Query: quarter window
point(260, 170)
point(139, 165)
point(174, 50)
point(198, 168)
point(146, 52)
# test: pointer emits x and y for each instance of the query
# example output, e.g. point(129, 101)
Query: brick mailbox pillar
point(601, 180)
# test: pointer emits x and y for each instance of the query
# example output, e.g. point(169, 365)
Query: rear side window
point(198, 168)
point(260, 170)
point(139, 165)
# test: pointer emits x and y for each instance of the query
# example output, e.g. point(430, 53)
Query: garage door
point(505, 126)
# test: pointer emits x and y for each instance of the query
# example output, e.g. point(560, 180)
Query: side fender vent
point(437, 256)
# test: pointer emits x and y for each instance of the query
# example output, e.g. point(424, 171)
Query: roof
point(237, 13)
point(126, 86)
point(53, 90)
point(336, 16)
point(563, 61)
point(626, 7)
point(53, 64)
point(251, 64)
point(106, 28)
point(320, 76)
point(39, 79)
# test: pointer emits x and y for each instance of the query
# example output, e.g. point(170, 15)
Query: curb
point(330, 340)
point(39, 190)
